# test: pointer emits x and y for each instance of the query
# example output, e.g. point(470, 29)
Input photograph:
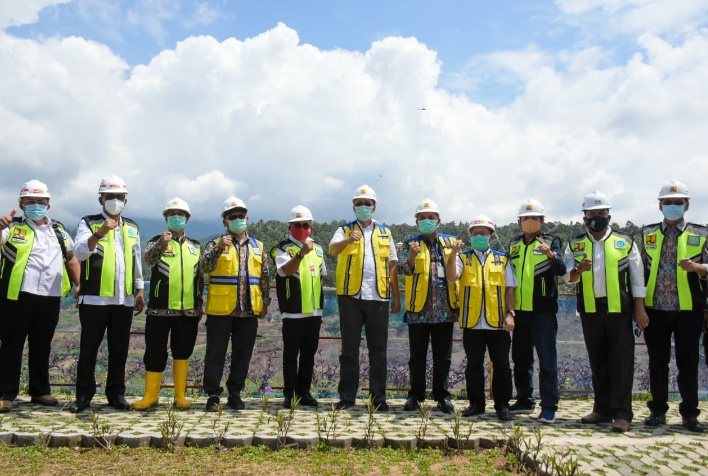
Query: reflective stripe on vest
point(480, 283)
point(418, 283)
point(350, 262)
point(179, 265)
point(222, 294)
point(528, 263)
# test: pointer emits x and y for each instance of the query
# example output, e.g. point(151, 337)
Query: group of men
point(490, 293)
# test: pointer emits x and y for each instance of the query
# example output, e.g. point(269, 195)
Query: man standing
point(607, 267)
point(536, 257)
point(366, 280)
point(237, 296)
point(37, 267)
point(109, 244)
point(175, 306)
point(300, 264)
point(487, 284)
point(676, 261)
point(431, 301)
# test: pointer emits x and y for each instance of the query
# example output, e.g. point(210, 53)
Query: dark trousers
point(372, 316)
point(497, 343)
point(610, 343)
point(300, 336)
point(181, 332)
point(535, 330)
point(241, 331)
point(97, 321)
point(440, 337)
point(686, 328)
point(32, 318)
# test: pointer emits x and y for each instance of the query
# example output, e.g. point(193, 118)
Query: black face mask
point(598, 223)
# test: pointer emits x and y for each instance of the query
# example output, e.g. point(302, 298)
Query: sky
point(477, 105)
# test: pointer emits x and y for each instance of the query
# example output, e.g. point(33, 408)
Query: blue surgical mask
point(673, 212)
point(176, 222)
point(237, 226)
point(363, 213)
point(480, 242)
point(427, 227)
point(35, 211)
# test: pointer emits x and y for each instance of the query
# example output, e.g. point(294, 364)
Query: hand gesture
point(355, 236)
point(225, 242)
point(544, 248)
point(585, 264)
point(166, 237)
point(457, 246)
point(414, 249)
point(688, 265)
point(7, 219)
point(307, 246)
point(108, 225)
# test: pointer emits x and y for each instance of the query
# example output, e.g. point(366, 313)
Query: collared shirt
point(281, 259)
point(704, 254)
point(82, 253)
point(509, 280)
point(45, 264)
point(636, 270)
point(368, 290)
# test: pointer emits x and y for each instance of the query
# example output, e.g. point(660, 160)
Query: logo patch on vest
point(169, 251)
point(319, 252)
point(19, 236)
point(256, 251)
point(694, 240)
point(62, 234)
point(515, 250)
point(578, 246)
point(192, 250)
point(537, 250)
point(650, 240)
point(131, 233)
point(620, 245)
point(291, 252)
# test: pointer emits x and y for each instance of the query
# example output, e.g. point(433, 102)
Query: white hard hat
point(34, 188)
point(426, 205)
point(364, 192)
point(482, 220)
point(299, 213)
point(596, 201)
point(674, 189)
point(231, 203)
point(531, 208)
point(177, 204)
point(113, 184)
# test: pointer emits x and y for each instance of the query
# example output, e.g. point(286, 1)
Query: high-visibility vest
point(486, 284)
point(173, 281)
point(301, 292)
point(417, 284)
point(350, 262)
point(537, 286)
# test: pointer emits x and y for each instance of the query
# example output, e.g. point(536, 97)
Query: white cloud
point(23, 12)
point(153, 14)
point(204, 14)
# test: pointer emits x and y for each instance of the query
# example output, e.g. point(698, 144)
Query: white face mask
point(114, 207)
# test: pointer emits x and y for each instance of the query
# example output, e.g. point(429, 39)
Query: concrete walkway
point(665, 450)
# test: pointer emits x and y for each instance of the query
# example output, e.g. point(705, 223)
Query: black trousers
point(32, 318)
point(181, 332)
point(97, 321)
point(372, 316)
point(241, 331)
point(610, 344)
point(439, 335)
point(300, 336)
point(498, 343)
point(686, 328)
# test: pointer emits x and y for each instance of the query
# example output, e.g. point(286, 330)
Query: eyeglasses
point(236, 216)
point(480, 233)
point(35, 202)
point(363, 204)
point(298, 224)
point(673, 202)
point(114, 196)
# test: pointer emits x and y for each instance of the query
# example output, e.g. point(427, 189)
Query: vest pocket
point(496, 277)
point(218, 301)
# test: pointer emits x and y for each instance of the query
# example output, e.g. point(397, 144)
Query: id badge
point(313, 270)
point(441, 271)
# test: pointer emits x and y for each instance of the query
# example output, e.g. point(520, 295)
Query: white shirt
point(636, 269)
point(368, 290)
point(281, 259)
point(82, 253)
point(509, 279)
point(45, 264)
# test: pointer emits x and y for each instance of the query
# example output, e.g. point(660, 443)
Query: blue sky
point(205, 99)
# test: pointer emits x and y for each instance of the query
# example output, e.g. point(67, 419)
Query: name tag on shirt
point(441, 271)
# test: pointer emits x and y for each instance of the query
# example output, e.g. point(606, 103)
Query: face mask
point(36, 212)
point(597, 224)
point(176, 222)
point(114, 207)
point(480, 242)
point(300, 234)
point(530, 226)
point(673, 212)
point(237, 226)
point(363, 213)
point(427, 227)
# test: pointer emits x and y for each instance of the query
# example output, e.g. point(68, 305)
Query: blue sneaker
point(547, 416)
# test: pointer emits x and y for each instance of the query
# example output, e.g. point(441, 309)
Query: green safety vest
point(537, 287)
point(300, 293)
point(173, 281)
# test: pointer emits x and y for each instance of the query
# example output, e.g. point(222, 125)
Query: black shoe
point(504, 414)
point(472, 410)
point(446, 406)
point(119, 403)
point(79, 405)
point(411, 405)
point(343, 404)
point(287, 403)
point(235, 403)
point(381, 406)
point(308, 400)
point(522, 408)
point(212, 404)
point(691, 423)
point(655, 419)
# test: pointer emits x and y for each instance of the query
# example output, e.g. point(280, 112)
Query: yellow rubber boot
point(179, 375)
point(153, 381)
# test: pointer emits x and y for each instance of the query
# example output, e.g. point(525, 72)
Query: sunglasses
point(306, 226)
point(674, 202)
point(236, 216)
point(363, 204)
point(113, 196)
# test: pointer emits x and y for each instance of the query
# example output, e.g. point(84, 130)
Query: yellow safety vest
point(483, 284)
point(418, 283)
point(222, 293)
point(350, 262)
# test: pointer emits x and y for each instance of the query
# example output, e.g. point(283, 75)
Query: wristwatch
point(513, 314)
